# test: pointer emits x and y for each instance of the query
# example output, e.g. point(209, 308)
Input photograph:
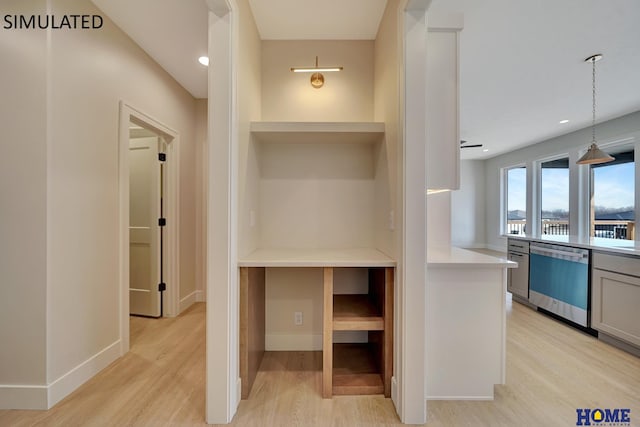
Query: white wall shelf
point(314, 132)
point(356, 257)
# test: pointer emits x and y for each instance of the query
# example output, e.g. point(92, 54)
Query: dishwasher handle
point(549, 251)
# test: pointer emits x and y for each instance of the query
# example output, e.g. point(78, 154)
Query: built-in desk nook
point(347, 368)
point(317, 232)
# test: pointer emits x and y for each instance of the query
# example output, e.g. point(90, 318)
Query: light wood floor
point(551, 370)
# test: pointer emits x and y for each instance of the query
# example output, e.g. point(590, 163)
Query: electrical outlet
point(297, 318)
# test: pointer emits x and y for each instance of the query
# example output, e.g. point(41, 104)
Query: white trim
point(293, 342)
point(188, 301)
point(488, 397)
point(172, 137)
point(411, 342)
point(44, 397)
point(222, 395)
point(201, 296)
point(23, 397)
point(67, 383)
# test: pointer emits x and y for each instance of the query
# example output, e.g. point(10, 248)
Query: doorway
point(146, 222)
point(149, 219)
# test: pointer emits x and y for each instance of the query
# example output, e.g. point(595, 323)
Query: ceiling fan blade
point(471, 146)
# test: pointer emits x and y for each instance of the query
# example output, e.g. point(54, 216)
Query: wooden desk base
point(346, 368)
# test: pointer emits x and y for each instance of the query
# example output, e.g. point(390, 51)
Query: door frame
point(171, 263)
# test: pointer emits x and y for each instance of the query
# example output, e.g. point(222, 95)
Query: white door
point(144, 230)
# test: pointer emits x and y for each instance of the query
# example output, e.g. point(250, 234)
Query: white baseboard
point(310, 342)
point(293, 342)
point(201, 296)
point(23, 397)
point(67, 383)
point(238, 396)
point(46, 396)
point(501, 248)
point(460, 397)
point(394, 393)
point(469, 246)
point(187, 301)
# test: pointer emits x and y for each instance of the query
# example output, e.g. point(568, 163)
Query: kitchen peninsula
point(466, 323)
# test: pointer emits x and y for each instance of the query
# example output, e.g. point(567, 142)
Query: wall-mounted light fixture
point(317, 79)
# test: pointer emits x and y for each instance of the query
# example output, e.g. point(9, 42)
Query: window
point(516, 191)
point(554, 197)
point(612, 197)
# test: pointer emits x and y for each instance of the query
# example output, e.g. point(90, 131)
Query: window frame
point(613, 148)
point(537, 213)
point(504, 221)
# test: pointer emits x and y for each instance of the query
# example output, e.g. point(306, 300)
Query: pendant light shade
point(594, 155)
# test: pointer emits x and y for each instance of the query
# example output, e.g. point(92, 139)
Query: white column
point(410, 402)
point(222, 276)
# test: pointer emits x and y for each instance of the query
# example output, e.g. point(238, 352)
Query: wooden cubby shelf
point(359, 368)
point(356, 313)
point(347, 368)
point(355, 370)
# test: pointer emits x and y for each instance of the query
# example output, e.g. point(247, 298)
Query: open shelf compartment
point(359, 368)
point(355, 370)
point(356, 313)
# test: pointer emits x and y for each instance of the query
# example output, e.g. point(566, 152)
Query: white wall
point(468, 217)
point(288, 186)
point(386, 84)
point(250, 81)
point(572, 144)
point(23, 187)
point(346, 95)
point(316, 195)
point(89, 72)
point(439, 220)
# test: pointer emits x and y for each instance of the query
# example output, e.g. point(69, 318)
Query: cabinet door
point(615, 300)
point(518, 278)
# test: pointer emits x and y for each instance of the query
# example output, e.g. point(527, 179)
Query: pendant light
point(594, 155)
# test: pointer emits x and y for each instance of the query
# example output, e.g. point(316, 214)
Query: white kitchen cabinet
point(615, 297)
point(443, 135)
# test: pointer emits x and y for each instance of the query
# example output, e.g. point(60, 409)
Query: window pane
point(516, 200)
point(554, 197)
point(613, 198)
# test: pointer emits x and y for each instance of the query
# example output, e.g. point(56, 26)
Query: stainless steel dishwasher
point(559, 281)
point(518, 278)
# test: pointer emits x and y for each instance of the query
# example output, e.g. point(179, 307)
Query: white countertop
point(448, 257)
point(351, 257)
point(628, 247)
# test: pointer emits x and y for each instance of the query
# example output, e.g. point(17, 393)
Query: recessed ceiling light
point(564, 121)
point(486, 150)
point(204, 60)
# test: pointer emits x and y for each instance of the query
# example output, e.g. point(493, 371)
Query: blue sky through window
point(517, 189)
point(614, 186)
point(555, 189)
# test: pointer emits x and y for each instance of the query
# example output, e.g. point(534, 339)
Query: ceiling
point(522, 66)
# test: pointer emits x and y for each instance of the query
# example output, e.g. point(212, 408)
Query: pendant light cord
point(593, 92)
